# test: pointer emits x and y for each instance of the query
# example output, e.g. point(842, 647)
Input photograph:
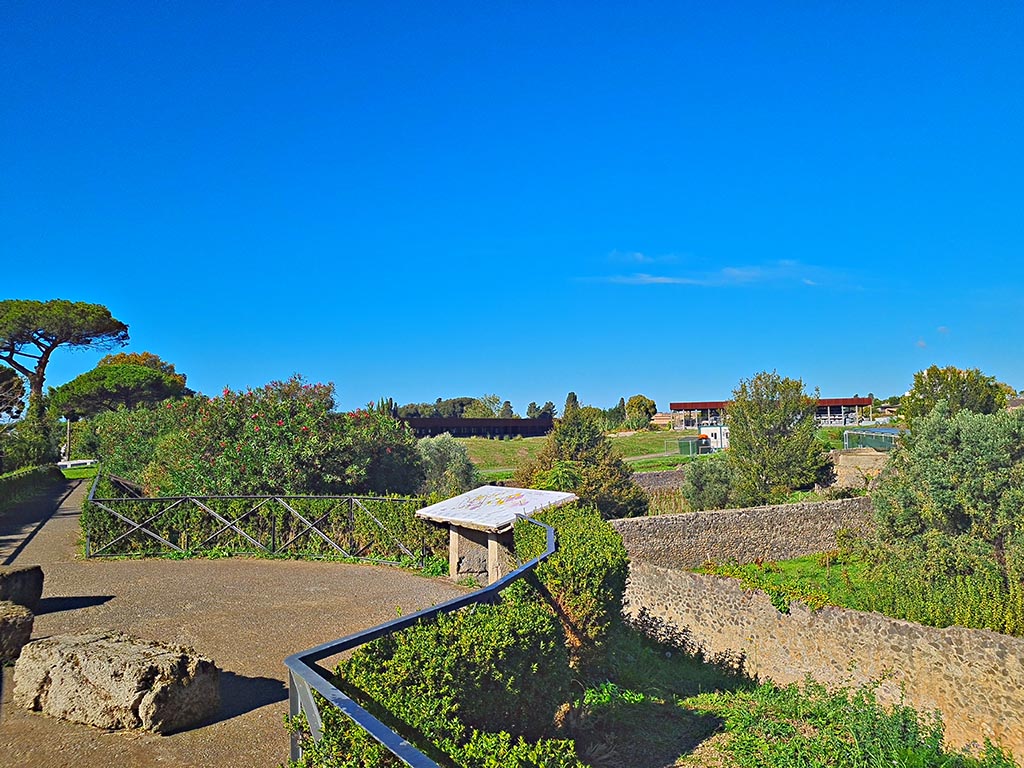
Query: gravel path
point(245, 614)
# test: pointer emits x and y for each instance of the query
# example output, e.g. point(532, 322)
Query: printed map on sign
point(492, 508)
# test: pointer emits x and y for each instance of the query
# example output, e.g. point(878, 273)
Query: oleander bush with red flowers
point(282, 438)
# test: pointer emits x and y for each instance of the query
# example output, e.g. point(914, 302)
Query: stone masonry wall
point(660, 481)
point(757, 533)
point(974, 677)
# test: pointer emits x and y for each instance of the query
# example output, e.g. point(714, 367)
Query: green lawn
point(645, 443)
point(503, 456)
point(80, 473)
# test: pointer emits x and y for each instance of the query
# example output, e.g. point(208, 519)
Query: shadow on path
point(26, 519)
point(240, 694)
point(57, 604)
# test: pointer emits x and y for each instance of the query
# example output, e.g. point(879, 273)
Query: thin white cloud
point(636, 257)
point(922, 343)
point(644, 279)
point(942, 329)
point(784, 271)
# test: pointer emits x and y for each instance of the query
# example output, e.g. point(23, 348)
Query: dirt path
point(245, 614)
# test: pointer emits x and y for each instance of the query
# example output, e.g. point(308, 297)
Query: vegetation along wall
point(747, 535)
point(975, 678)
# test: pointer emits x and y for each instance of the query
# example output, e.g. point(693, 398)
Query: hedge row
point(482, 686)
point(363, 527)
point(25, 483)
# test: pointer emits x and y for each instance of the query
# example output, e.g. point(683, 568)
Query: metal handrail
point(305, 675)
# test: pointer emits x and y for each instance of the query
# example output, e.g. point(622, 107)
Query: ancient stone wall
point(660, 481)
point(975, 678)
point(747, 535)
point(858, 467)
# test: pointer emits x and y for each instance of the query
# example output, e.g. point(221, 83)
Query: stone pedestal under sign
point(480, 524)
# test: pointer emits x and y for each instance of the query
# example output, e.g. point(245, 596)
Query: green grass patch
point(648, 442)
point(658, 464)
point(80, 473)
point(831, 437)
point(501, 454)
point(830, 578)
point(811, 727)
point(505, 456)
point(495, 475)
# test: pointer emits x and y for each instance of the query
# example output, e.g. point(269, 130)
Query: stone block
point(22, 585)
point(111, 680)
point(15, 629)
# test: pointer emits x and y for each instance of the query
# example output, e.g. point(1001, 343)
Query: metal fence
point(305, 675)
point(375, 529)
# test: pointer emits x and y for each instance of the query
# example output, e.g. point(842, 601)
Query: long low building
point(493, 428)
point(832, 411)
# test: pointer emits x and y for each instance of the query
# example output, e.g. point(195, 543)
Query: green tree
point(12, 393)
point(615, 416)
point(534, 411)
point(109, 387)
point(772, 443)
point(506, 411)
point(967, 390)
point(446, 466)
point(31, 330)
point(639, 412)
point(486, 407)
point(959, 473)
point(572, 403)
point(578, 458)
point(708, 482)
point(950, 546)
point(146, 360)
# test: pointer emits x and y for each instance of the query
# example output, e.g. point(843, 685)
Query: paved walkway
point(245, 614)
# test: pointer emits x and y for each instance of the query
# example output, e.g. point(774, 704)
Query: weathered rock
point(22, 585)
point(112, 680)
point(15, 629)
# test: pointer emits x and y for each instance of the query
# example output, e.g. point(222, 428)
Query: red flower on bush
point(280, 422)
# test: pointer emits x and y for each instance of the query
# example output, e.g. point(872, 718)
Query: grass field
point(497, 459)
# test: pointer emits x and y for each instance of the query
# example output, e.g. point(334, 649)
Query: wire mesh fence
point(376, 529)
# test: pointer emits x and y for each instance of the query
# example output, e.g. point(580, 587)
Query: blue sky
point(424, 200)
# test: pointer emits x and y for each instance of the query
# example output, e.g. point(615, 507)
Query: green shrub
point(26, 483)
point(478, 667)
point(362, 527)
point(31, 442)
point(446, 466)
point(950, 548)
point(586, 576)
point(813, 727)
point(283, 438)
point(708, 483)
point(479, 687)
